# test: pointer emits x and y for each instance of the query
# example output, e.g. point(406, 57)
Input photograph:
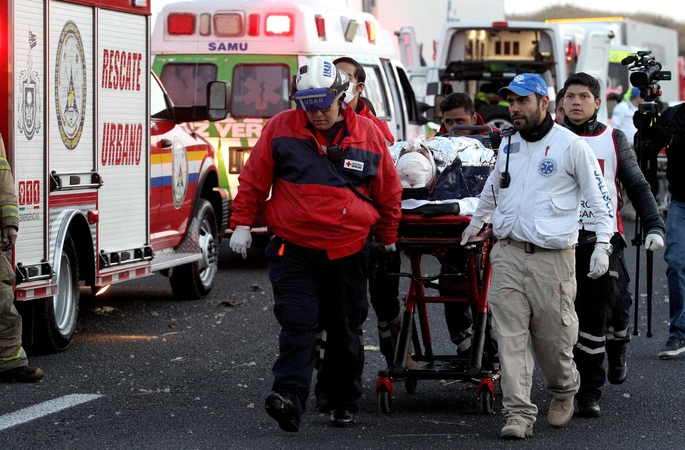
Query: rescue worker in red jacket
point(322, 176)
point(357, 76)
point(383, 289)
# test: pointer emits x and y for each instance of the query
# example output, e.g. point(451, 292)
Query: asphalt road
point(147, 371)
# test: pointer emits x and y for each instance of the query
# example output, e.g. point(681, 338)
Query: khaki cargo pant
point(531, 298)
point(12, 355)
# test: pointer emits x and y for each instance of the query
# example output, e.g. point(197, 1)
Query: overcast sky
point(673, 8)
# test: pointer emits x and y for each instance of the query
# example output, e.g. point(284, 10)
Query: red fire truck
point(112, 183)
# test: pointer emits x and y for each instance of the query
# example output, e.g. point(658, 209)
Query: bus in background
point(258, 47)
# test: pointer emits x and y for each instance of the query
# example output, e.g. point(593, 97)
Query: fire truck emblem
point(179, 177)
point(28, 100)
point(70, 85)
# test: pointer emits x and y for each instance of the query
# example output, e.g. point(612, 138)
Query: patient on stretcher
point(442, 175)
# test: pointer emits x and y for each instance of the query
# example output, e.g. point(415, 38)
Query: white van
point(481, 57)
point(258, 46)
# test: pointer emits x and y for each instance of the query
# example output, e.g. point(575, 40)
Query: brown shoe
point(25, 374)
point(516, 429)
point(560, 412)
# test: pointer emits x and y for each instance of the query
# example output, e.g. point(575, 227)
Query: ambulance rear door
point(594, 60)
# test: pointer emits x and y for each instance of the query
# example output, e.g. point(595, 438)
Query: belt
point(528, 246)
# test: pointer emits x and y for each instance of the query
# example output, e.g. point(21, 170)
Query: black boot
point(588, 407)
point(616, 357)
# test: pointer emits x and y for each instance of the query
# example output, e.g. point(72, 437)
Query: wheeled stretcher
point(464, 278)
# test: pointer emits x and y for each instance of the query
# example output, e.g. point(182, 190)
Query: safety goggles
point(314, 99)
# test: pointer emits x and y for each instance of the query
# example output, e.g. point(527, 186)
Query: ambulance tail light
point(371, 32)
point(500, 25)
point(320, 27)
point(253, 25)
point(570, 51)
point(180, 24)
point(279, 25)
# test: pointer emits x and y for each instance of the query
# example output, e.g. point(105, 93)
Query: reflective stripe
point(590, 351)
point(21, 354)
point(620, 334)
point(590, 337)
point(10, 211)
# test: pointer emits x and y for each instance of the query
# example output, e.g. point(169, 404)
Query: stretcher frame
point(418, 236)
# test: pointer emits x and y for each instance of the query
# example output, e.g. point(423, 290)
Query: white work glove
point(470, 231)
point(241, 240)
point(599, 263)
point(654, 242)
point(390, 248)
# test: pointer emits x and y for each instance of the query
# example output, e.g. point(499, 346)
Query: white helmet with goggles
point(318, 84)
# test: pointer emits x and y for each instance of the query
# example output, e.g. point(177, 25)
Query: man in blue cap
point(532, 199)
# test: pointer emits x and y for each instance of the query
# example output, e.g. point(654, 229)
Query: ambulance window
point(187, 83)
point(260, 90)
point(158, 105)
point(375, 91)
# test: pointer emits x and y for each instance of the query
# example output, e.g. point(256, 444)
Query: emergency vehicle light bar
point(280, 24)
point(181, 23)
point(371, 32)
point(229, 24)
point(253, 25)
point(350, 29)
point(235, 24)
point(320, 27)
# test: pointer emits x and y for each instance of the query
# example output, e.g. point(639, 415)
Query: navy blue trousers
point(312, 291)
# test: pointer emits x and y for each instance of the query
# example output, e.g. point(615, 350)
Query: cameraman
point(669, 133)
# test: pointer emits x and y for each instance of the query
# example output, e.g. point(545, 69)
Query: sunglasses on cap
point(314, 99)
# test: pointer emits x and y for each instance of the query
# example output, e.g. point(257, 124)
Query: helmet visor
point(311, 99)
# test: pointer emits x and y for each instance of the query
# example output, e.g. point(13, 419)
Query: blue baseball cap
point(525, 84)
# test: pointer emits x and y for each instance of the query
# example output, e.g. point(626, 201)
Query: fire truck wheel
point(194, 281)
point(496, 116)
point(55, 318)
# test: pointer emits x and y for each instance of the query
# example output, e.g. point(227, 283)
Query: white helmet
point(318, 84)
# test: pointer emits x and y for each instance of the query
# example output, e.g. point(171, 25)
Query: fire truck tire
point(55, 317)
point(194, 281)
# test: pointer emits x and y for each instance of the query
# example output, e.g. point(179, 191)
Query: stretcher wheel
point(410, 385)
point(384, 399)
point(486, 401)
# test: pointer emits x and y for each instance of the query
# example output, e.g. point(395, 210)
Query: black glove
point(495, 139)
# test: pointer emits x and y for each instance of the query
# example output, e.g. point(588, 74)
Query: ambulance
point(481, 57)
point(112, 184)
point(258, 46)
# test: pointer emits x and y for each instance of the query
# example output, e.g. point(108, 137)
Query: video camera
point(646, 73)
